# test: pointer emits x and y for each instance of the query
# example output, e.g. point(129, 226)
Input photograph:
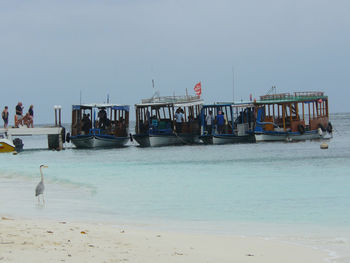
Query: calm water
point(286, 184)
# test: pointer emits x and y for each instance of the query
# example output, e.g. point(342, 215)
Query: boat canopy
point(296, 112)
point(294, 97)
point(100, 106)
point(233, 105)
point(177, 101)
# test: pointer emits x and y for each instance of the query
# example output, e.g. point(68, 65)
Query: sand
point(23, 240)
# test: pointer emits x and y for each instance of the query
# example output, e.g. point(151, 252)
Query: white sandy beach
point(23, 240)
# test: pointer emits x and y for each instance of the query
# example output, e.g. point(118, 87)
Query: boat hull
point(6, 146)
point(142, 139)
point(217, 139)
point(95, 141)
point(153, 140)
point(289, 136)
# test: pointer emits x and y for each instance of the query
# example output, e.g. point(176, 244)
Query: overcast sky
point(52, 50)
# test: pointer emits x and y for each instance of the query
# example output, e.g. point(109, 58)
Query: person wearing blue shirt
point(220, 122)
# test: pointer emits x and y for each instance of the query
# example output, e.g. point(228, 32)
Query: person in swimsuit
point(31, 116)
point(19, 115)
point(5, 116)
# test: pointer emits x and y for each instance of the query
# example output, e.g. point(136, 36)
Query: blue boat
point(156, 121)
point(225, 123)
point(99, 125)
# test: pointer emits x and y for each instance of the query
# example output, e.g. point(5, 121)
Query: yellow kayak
point(6, 146)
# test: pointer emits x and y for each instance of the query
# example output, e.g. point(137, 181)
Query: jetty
point(56, 134)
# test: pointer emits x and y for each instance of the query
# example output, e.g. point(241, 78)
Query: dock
point(55, 134)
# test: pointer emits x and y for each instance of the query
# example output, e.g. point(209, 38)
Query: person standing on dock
point(19, 115)
point(5, 116)
point(31, 116)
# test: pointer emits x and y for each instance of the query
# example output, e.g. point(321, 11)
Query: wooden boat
point(156, 124)
point(238, 123)
point(99, 125)
point(289, 117)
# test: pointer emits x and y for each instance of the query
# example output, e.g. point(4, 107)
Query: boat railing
point(295, 95)
point(172, 99)
point(278, 96)
point(309, 94)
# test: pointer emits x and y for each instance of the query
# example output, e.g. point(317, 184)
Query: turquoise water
point(264, 183)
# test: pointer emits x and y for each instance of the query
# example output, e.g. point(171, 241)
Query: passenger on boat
point(209, 120)
point(19, 115)
point(179, 117)
point(102, 115)
point(226, 123)
point(5, 116)
point(220, 122)
point(86, 123)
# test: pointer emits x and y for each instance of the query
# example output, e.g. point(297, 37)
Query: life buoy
point(301, 129)
point(321, 127)
point(329, 127)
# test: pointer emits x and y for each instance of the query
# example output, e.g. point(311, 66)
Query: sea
point(293, 191)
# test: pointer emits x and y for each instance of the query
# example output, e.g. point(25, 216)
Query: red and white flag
point(198, 89)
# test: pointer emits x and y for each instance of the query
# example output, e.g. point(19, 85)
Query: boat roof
point(100, 106)
point(292, 97)
point(231, 104)
point(177, 101)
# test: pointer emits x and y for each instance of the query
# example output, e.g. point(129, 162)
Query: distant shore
point(23, 240)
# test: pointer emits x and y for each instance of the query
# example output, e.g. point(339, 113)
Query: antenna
point(272, 90)
point(107, 98)
point(80, 97)
point(233, 85)
point(155, 92)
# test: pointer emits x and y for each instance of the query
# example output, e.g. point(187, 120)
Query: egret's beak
point(45, 166)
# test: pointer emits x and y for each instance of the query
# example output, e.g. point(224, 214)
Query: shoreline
point(29, 240)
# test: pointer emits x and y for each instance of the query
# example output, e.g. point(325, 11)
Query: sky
point(51, 51)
